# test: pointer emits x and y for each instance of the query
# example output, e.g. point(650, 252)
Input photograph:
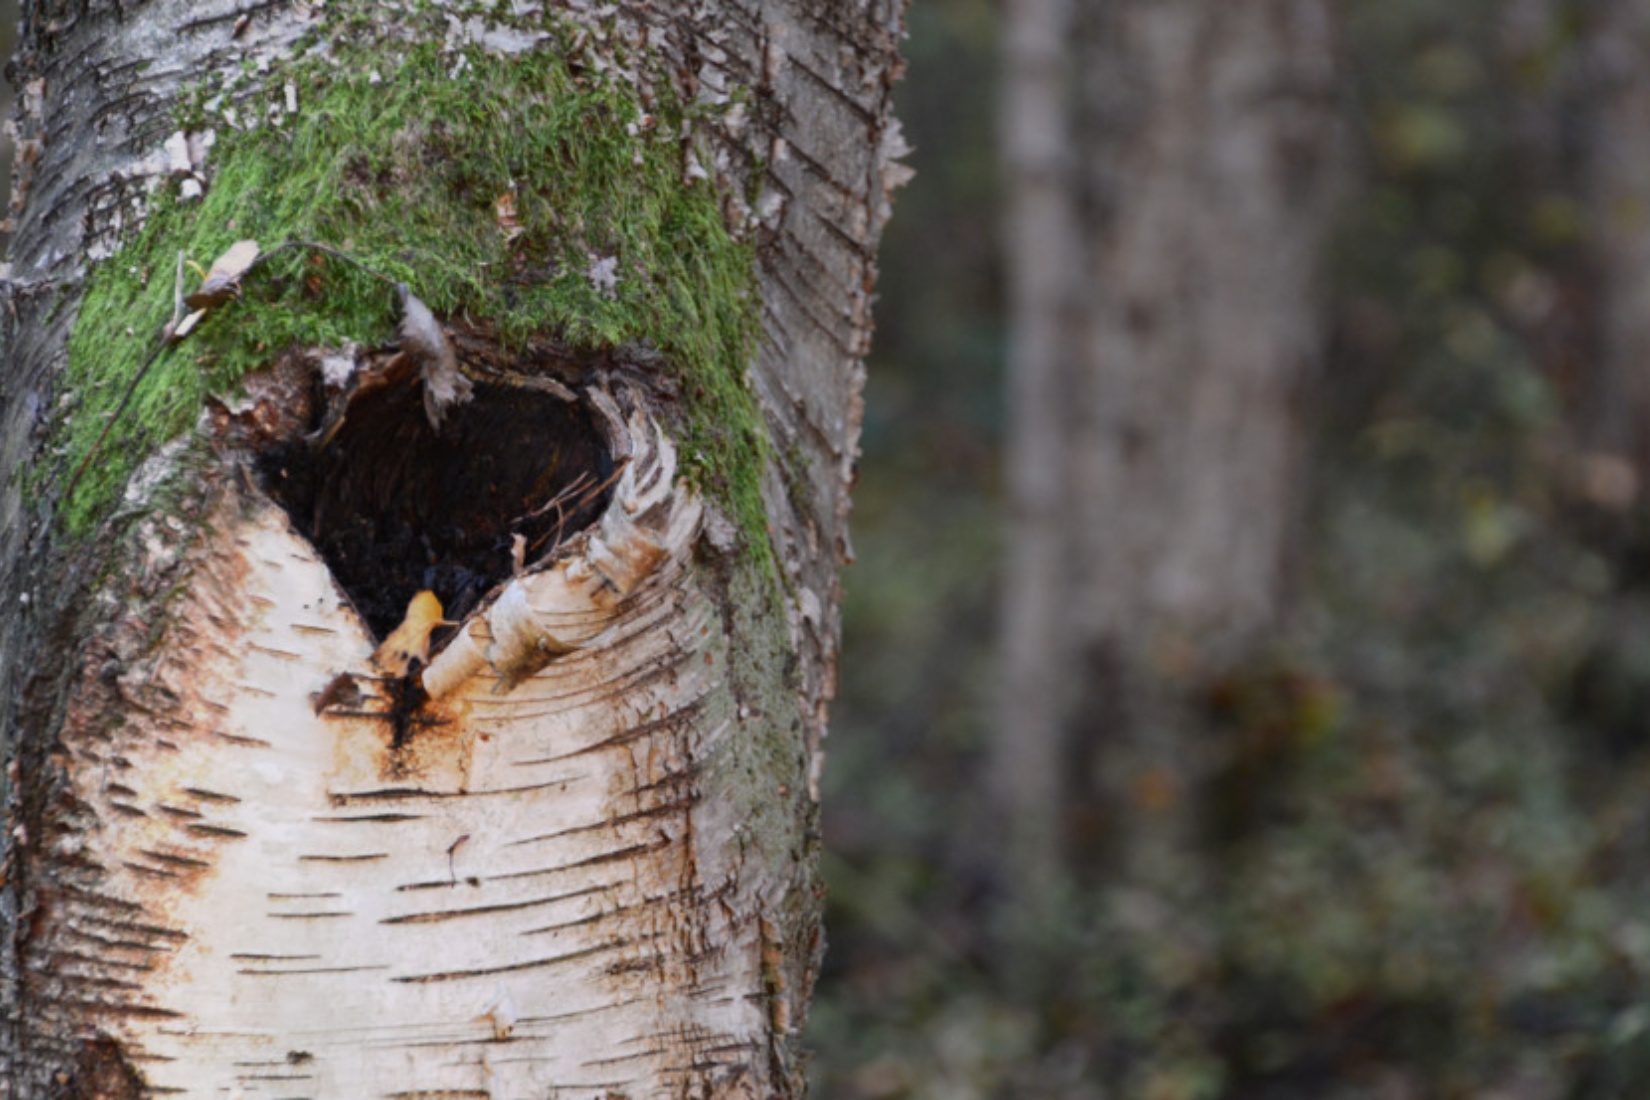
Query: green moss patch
point(528, 192)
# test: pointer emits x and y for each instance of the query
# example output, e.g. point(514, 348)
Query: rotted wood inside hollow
point(396, 507)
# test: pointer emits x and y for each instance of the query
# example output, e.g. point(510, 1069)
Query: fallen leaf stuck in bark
point(423, 338)
point(410, 641)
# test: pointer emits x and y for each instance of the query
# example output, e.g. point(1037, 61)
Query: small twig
point(177, 295)
point(560, 498)
point(559, 501)
point(605, 484)
point(555, 502)
point(126, 399)
point(317, 246)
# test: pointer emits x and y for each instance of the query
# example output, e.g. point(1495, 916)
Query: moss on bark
point(549, 191)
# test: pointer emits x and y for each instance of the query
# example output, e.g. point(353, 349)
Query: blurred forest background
point(1246, 689)
point(1254, 701)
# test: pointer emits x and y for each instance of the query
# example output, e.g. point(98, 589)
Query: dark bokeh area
point(1426, 847)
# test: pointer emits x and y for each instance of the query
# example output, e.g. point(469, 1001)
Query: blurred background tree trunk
point(1171, 171)
point(1040, 219)
point(1610, 170)
point(1427, 846)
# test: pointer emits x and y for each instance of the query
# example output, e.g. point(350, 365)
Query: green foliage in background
point(1426, 864)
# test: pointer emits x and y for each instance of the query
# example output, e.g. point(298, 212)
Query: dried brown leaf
point(223, 278)
point(423, 338)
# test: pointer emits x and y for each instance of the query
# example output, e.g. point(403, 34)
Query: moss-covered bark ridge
point(526, 182)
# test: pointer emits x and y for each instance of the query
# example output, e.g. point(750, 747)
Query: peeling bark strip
point(570, 853)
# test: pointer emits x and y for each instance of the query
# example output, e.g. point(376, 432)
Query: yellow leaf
point(410, 641)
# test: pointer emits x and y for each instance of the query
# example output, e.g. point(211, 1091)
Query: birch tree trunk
point(569, 850)
point(1614, 188)
point(1171, 167)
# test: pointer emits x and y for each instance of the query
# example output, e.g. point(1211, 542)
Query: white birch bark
point(594, 875)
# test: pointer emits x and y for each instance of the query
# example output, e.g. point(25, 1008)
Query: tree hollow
point(396, 506)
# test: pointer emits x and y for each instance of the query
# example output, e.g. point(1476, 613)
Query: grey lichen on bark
point(579, 860)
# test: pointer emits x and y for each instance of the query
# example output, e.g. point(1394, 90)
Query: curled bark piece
point(544, 614)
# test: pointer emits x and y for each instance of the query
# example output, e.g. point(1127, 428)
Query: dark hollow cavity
point(396, 507)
